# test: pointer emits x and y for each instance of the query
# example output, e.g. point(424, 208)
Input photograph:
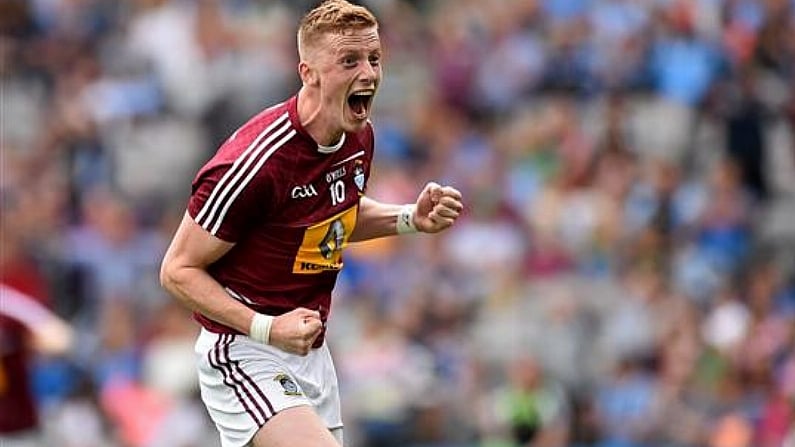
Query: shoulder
point(256, 139)
point(369, 129)
point(366, 137)
point(266, 126)
point(245, 154)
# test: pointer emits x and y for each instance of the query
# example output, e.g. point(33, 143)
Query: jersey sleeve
point(228, 200)
point(23, 308)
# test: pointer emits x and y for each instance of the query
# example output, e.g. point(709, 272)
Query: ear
point(309, 75)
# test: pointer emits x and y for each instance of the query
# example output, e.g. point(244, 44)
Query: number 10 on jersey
point(337, 190)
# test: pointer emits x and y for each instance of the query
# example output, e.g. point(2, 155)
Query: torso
point(294, 212)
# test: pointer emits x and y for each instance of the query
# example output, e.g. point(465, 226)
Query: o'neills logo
point(303, 192)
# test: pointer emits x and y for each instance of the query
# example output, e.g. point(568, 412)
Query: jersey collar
point(331, 149)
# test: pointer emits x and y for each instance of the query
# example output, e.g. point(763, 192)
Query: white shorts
point(244, 383)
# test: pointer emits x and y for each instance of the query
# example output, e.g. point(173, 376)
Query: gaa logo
point(303, 192)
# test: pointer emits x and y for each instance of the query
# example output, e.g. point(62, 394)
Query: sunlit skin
point(331, 70)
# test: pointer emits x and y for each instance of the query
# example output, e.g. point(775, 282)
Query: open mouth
point(359, 103)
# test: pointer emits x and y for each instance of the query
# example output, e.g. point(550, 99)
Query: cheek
point(332, 82)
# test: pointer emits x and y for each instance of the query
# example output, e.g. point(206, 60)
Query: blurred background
point(624, 274)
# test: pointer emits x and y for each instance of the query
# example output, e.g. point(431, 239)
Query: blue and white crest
point(358, 175)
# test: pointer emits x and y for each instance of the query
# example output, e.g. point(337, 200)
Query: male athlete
point(258, 251)
point(26, 327)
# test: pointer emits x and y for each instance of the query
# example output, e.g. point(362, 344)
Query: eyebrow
point(345, 52)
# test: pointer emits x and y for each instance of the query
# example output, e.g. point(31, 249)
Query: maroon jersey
point(289, 206)
point(18, 313)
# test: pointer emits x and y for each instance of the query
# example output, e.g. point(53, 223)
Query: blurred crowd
point(624, 275)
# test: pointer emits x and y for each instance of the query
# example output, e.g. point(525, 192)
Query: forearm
point(200, 292)
point(375, 220)
point(293, 332)
point(435, 210)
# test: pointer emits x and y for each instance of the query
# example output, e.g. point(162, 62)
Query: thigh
point(318, 379)
point(243, 386)
point(295, 427)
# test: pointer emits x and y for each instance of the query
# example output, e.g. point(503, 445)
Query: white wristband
point(405, 220)
point(260, 329)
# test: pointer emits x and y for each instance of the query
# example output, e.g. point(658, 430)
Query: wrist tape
point(260, 329)
point(405, 220)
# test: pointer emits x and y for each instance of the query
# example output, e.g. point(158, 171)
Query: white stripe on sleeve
point(251, 174)
point(22, 308)
point(235, 172)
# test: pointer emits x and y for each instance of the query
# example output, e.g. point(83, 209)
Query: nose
point(369, 73)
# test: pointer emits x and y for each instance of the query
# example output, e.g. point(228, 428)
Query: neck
point(316, 124)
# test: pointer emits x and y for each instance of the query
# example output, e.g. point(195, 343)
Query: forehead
point(363, 39)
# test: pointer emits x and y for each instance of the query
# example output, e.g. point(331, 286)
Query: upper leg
point(295, 427)
point(246, 386)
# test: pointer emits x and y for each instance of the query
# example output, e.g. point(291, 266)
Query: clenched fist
point(438, 207)
point(296, 331)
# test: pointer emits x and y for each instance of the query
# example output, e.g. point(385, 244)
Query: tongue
point(357, 105)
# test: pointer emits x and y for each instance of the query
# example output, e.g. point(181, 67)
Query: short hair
point(332, 16)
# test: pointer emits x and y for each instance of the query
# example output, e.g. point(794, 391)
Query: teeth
point(363, 93)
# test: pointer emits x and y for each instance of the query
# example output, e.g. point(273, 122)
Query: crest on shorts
point(358, 175)
point(290, 388)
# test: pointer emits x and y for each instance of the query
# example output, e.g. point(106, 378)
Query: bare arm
point(50, 334)
point(183, 273)
point(437, 208)
point(53, 337)
point(375, 219)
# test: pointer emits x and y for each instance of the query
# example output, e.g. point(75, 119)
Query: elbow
point(170, 281)
point(173, 279)
point(167, 276)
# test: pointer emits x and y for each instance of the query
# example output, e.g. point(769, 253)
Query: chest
point(310, 188)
